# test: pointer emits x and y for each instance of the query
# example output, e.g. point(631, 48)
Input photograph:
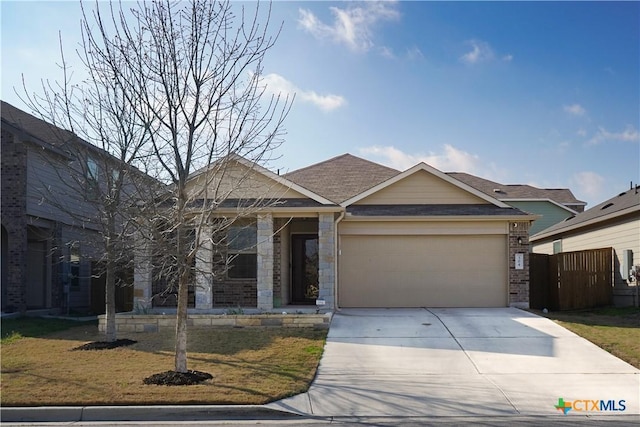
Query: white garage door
point(423, 271)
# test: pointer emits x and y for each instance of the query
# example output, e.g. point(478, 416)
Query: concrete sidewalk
point(460, 362)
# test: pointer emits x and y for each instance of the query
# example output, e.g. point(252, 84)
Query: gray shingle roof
point(342, 177)
point(43, 131)
point(563, 196)
point(625, 201)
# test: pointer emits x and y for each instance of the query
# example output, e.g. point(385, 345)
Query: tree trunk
point(110, 303)
point(181, 325)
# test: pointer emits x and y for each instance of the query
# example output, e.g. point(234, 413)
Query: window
point(557, 246)
point(74, 266)
point(93, 191)
point(242, 258)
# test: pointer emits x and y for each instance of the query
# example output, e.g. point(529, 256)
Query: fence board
point(574, 280)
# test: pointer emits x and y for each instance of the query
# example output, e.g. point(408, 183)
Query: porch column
point(204, 270)
point(326, 259)
point(265, 262)
point(142, 274)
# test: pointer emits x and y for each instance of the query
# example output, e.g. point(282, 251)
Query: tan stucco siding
point(237, 181)
point(423, 271)
point(408, 228)
point(421, 188)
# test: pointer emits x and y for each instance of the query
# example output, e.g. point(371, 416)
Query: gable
point(234, 180)
point(421, 187)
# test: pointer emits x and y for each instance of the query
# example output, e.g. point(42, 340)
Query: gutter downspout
point(336, 307)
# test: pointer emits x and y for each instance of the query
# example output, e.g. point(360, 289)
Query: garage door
point(423, 271)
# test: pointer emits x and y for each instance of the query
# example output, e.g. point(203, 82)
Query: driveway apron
point(459, 362)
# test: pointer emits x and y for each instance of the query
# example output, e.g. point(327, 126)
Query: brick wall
point(14, 220)
point(519, 279)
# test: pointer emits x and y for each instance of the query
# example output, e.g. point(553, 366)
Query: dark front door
point(304, 268)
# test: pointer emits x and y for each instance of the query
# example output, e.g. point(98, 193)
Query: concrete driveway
point(460, 362)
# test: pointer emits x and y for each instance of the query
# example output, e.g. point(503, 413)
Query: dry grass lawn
point(616, 330)
point(249, 366)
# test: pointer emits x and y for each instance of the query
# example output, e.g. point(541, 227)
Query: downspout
point(336, 307)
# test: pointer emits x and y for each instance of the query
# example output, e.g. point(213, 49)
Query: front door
point(304, 268)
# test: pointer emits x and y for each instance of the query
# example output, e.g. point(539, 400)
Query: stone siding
point(155, 322)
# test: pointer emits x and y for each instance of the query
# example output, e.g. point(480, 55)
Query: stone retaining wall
point(153, 322)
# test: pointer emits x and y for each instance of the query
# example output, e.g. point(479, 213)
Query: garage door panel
point(423, 271)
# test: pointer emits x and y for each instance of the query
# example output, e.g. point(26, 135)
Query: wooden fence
point(571, 280)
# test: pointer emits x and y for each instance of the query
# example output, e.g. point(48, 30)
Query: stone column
point(326, 259)
point(204, 270)
point(142, 274)
point(265, 262)
point(519, 275)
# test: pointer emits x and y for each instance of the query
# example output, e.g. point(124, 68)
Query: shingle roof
point(32, 125)
point(342, 177)
point(563, 196)
point(627, 201)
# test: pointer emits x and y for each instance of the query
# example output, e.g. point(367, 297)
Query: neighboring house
point(50, 237)
point(553, 205)
point(352, 233)
point(614, 223)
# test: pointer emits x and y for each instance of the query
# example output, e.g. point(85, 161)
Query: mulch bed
point(177, 378)
point(104, 345)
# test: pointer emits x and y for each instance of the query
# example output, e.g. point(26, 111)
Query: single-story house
point(348, 232)
point(552, 205)
point(614, 223)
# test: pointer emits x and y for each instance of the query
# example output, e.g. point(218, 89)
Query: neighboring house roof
point(561, 196)
point(38, 131)
point(624, 203)
point(342, 177)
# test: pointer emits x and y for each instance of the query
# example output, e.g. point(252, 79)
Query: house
point(614, 223)
point(553, 205)
point(51, 238)
point(348, 232)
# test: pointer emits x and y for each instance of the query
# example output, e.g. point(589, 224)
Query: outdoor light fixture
point(519, 240)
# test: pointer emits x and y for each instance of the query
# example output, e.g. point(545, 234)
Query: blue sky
point(541, 93)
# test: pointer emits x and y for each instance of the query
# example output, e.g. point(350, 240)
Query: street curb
point(141, 413)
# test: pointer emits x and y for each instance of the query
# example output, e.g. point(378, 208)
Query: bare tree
point(192, 72)
point(94, 125)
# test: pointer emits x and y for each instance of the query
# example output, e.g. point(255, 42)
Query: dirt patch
point(177, 378)
point(104, 345)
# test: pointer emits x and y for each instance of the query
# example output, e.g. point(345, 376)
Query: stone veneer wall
point(326, 261)
point(278, 223)
point(155, 322)
point(519, 279)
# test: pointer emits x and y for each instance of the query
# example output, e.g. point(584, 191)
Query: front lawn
point(249, 366)
point(616, 330)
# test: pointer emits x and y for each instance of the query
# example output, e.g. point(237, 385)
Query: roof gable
point(341, 177)
point(239, 178)
point(422, 184)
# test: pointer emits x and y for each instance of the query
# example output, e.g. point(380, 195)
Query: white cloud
point(450, 159)
point(507, 58)
point(590, 184)
point(575, 109)
point(480, 52)
point(276, 84)
point(352, 26)
point(414, 53)
point(630, 134)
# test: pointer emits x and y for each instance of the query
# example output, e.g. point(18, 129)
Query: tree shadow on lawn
point(626, 317)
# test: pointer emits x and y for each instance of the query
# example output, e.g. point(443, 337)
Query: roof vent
point(622, 194)
point(606, 206)
point(497, 190)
